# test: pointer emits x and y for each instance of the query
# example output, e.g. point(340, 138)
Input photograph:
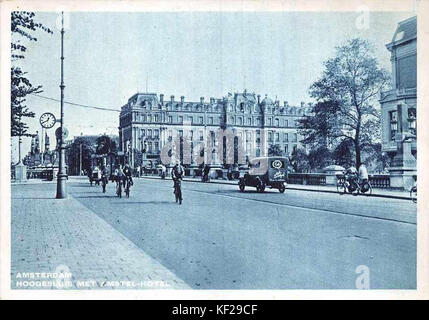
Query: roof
point(406, 31)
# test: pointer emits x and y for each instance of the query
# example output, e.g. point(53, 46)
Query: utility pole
point(62, 174)
point(80, 158)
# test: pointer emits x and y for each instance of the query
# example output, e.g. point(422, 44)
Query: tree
point(343, 154)
point(319, 158)
point(105, 145)
point(22, 24)
point(74, 154)
point(275, 150)
point(346, 96)
point(299, 160)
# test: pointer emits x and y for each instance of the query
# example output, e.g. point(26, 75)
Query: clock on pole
point(47, 120)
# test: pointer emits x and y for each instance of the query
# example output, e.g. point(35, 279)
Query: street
point(220, 238)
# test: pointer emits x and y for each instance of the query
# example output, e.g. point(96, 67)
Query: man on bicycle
point(177, 174)
point(128, 174)
point(351, 177)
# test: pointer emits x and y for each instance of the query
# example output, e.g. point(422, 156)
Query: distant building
point(403, 49)
point(36, 156)
point(148, 121)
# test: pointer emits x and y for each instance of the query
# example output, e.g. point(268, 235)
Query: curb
point(291, 188)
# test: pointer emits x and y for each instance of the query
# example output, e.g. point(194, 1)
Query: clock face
point(47, 120)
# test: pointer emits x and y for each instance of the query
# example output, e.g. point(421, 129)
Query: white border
point(421, 7)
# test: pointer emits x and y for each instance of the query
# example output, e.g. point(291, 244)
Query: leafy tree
point(299, 160)
point(74, 154)
point(343, 154)
point(275, 150)
point(22, 25)
point(319, 158)
point(105, 145)
point(346, 96)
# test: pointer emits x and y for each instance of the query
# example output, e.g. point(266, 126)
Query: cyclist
point(119, 178)
point(351, 178)
point(104, 178)
point(128, 174)
point(177, 174)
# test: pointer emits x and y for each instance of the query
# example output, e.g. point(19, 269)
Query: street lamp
point(62, 174)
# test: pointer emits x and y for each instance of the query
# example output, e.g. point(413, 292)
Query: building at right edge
point(399, 105)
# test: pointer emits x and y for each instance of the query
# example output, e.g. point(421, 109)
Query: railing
point(380, 181)
point(307, 178)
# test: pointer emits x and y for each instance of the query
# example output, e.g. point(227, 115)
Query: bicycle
point(352, 186)
point(128, 185)
point(119, 188)
point(178, 191)
point(413, 194)
point(104, 183)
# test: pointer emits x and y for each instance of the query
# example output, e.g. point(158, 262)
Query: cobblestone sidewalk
point(62, 244)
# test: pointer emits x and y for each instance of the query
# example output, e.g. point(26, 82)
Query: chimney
point(211, 100)
point(259, 98)
point(182, 99)
point(161, 99)
point(302, 104)
point(172, 99)
point(202, 100)
point(286, 104)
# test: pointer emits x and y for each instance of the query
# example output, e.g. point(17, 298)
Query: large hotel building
point(148, 122)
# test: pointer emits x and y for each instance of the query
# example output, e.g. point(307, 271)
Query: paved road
point(220, 238)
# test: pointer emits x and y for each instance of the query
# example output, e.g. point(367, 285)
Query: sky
point(111, 56)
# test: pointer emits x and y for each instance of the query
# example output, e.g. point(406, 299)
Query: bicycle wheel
point(341, 188)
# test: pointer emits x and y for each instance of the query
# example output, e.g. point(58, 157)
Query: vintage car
point(266, 172)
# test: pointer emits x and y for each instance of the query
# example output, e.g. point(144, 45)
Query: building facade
point(403, 49)
point(148, 122)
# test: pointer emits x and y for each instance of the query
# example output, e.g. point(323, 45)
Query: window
point(201, 135)
point(143, 133)
point(286, 149)
point(286, 123)
point(180, 119)
point(170, 119)
point(149, 118)
point(201, 120)
point(240, 121)
point(210, 120)
point(393, 124)
point(294, 137)
point(269, 121)
point(276, 122)
point(156, 132)
point(149, 147)
point(249, 121)
point(156, 118)
point(191, 119)
point(181, 133)
point(270, 136)
point(285, 137)
point(277, 137)
point(149, 133)
point(412, 127)
point(156, 147)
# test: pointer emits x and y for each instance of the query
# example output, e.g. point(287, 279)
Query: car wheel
point(282, 188)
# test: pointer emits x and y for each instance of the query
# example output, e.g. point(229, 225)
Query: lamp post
point(62, 174)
